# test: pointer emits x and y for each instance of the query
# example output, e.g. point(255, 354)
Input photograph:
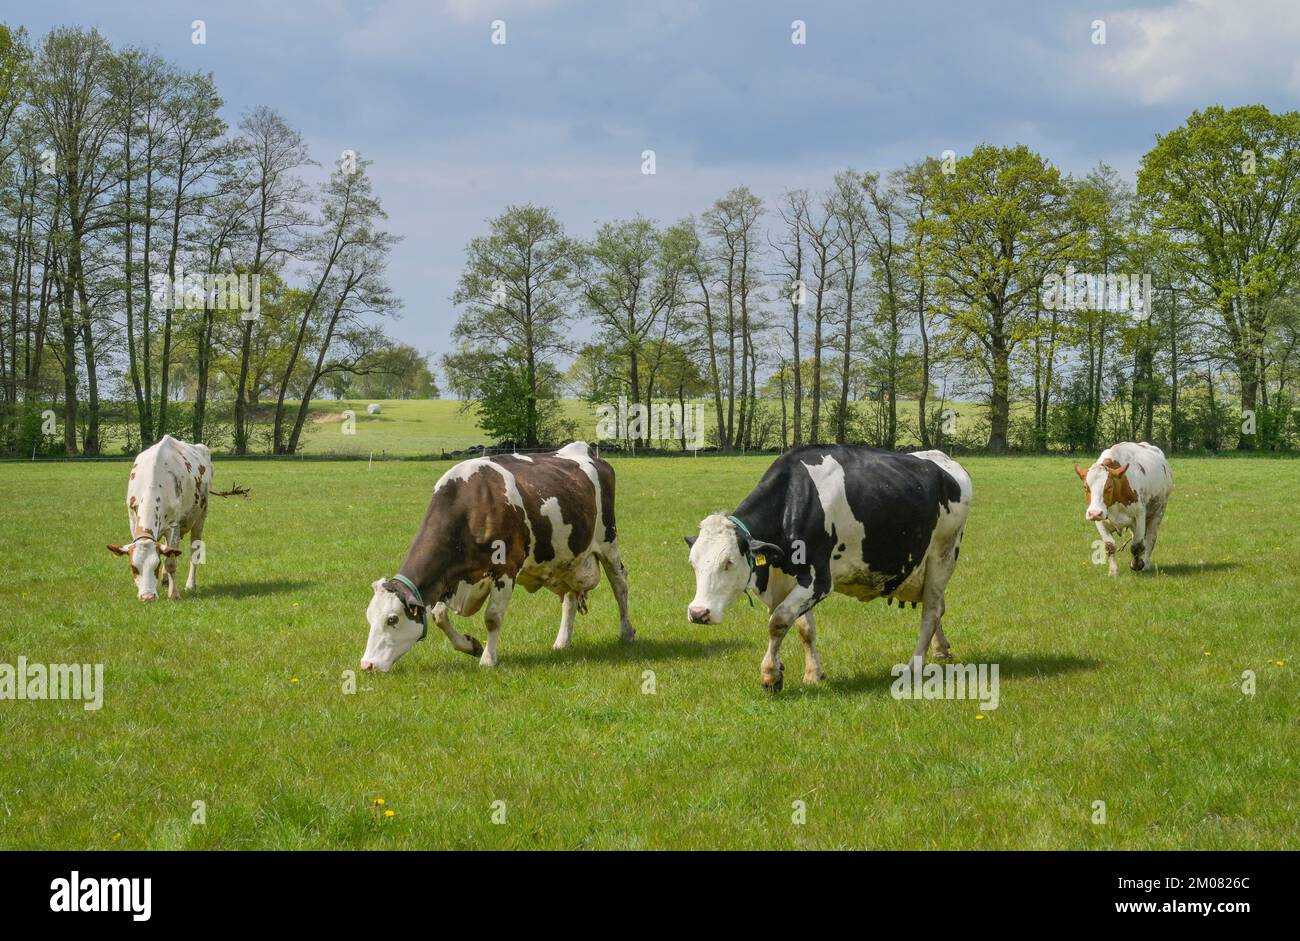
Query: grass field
point(1126, 691)
point(412, 427)
point(423, 427)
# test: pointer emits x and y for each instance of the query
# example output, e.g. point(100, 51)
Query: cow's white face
point(721, 570)
point(1103, 486)
point(1096, 482)
point(392, 633)
point(146, 557)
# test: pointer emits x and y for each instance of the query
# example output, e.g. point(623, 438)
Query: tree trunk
point(1001, 401)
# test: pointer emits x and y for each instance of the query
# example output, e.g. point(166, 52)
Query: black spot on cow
point(896, 497)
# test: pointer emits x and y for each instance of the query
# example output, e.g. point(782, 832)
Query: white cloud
point(1196, 52)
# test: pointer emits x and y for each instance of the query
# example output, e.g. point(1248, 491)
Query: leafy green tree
point(396, 371)
point(515, 405)
point(1224, 191)
point(516, 289)
point(998, 222)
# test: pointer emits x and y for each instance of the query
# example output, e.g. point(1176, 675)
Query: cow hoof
point(476, 649)
point(1137, 565)
point(487, 664)
point(627, 636)
point(810, 677)
point(777, 684)
point(943, 656)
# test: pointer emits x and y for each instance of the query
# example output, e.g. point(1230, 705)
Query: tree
point(914, 187)
point(632, 282)
point(351, 254)
point(197, 149)
point(825, 249)
point(271, 150)
point(70, 97)
point(395, 371)
point(515, 288)
point(998, 222)
point(732, 221)
point(794, 218)
point(1224, 192)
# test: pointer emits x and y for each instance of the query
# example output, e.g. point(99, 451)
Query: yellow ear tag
point(760, 560)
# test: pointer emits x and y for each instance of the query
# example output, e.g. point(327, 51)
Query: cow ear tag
point(760, 559)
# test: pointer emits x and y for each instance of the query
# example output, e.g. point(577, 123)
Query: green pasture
point(1125, 690)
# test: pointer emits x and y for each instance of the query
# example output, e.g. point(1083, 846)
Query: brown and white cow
point(1128, 487)
point(166, 498)
point(536, 521)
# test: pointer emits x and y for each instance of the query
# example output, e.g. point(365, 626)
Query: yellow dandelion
point(294, 680)
point(1281, 663)
point(979, 715)
point(1208, 654)
point(117, 836)
point(296, 605)
point(388, 813)
point(380, 802)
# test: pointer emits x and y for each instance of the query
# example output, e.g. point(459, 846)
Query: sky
point(560, 113)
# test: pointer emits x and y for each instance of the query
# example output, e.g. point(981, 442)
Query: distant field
point(1124, 690)
point(422, 427)
point(410, 427)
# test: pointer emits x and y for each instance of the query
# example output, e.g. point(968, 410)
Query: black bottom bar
point(297, 890)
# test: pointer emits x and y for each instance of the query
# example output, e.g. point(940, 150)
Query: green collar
point(423, 608)
point(749, 554)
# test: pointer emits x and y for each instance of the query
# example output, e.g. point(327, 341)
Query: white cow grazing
point(166, 498)
point(1128, 488)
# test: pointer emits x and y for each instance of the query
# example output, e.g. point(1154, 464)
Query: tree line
point(162, 272)
point(986, 300)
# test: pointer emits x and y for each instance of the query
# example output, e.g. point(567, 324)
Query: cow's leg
point(771, 671)
point(196, 535)
point(612, 563)
point(931, 609)
point(495, 616)
point(1108, 540)
point(568, 614)
point(941, 648)
point(1155, 516)
point(169, 565)
point(1139, 545)
point(462, 642)
point(938, 570)
point(812, 666)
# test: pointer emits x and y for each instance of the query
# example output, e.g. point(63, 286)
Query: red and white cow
point(166, 498)
point(1128, 488)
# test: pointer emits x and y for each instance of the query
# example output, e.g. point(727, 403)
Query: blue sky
point(459, 128)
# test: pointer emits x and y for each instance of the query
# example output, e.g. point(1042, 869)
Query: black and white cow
point(536, 521)
point(864, 522)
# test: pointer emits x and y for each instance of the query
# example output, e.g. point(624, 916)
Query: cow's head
point(724, 558)
point(146, 555)
point(1105, 485)
point(398, 618)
